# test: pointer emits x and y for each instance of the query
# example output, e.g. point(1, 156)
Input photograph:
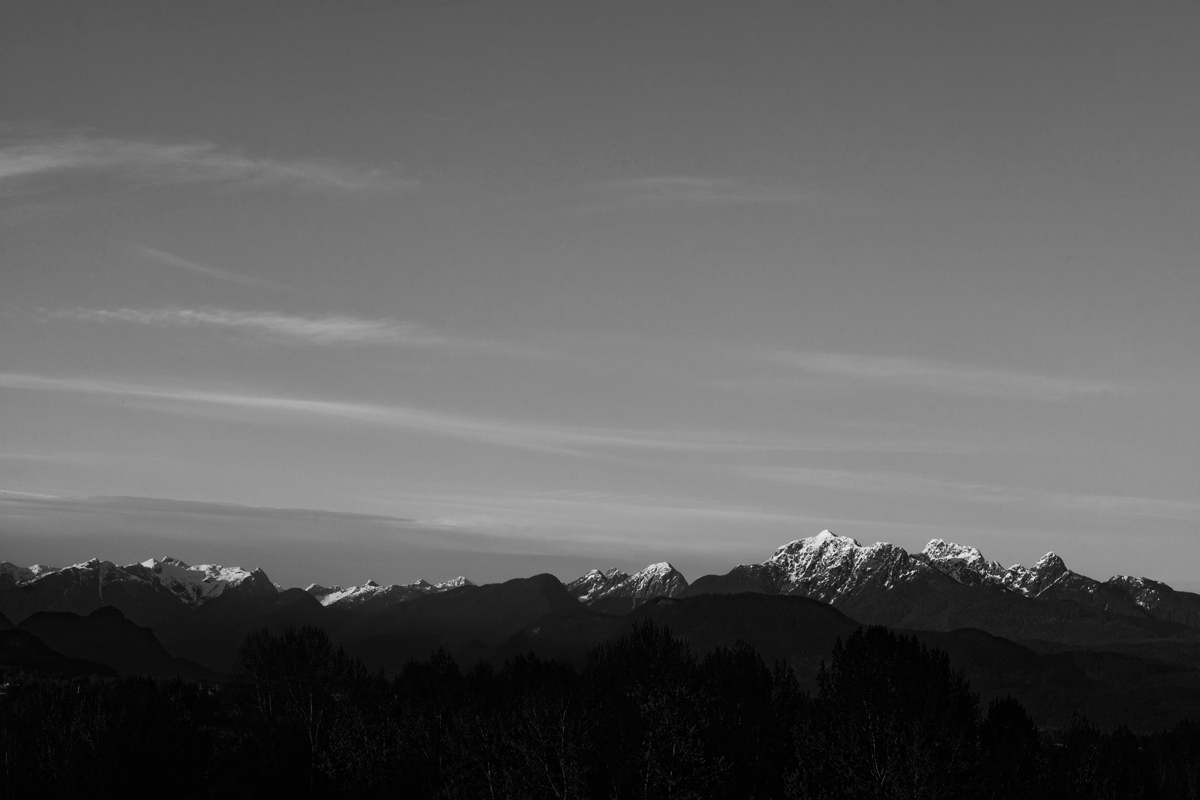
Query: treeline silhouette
point(643, 717)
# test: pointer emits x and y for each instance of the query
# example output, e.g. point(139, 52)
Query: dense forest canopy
point(644, 717)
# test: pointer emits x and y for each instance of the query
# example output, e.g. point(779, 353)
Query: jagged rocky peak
point(1034, 580)
point(596, 584)
point(1050, 565)
point(202, 582)
point(827, 566)
point(453, 583)
point(656, 580)
point(320, 592)
point(963, 563)
point(825, 540)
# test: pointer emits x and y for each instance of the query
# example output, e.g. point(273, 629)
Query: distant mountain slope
point(22, 651)
point(1110, 688)
point(212, 633)
point(371, 597)
point(469, 622)
point(157, 594)
point(203, 612)
point(949, 586)
point(107, 637)
point(198, 584)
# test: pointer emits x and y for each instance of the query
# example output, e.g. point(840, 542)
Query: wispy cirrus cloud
point(912, 484)
point(940, 376)
point(188, 162)
point(576, 507)
point(562, 439)
point(683, 191)
point(178, 262)
point(327, 330)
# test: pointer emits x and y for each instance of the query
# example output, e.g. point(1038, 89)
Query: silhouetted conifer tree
point(892, 720)
point(1010, 752)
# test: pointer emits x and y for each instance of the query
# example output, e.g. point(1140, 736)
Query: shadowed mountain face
point(155, 593)
point(1050, 635)
point(949, 586)
point(212, 633)
point(945, 586)
point(22, 651)
point(1111, 688)
point(469, 622)
point(107, 637)
point(794, 629)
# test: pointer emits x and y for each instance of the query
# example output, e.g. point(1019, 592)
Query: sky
point(402, 290)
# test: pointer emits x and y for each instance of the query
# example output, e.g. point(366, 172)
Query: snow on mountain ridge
point(827, 567)
point(1143, 591)
point(595, 584)
point(655, 580)
point(195, 584)
point(23, 575)
point(963, 563)
point(352, 596)
point(1033, 581)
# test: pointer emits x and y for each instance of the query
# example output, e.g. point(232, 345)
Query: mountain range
point(1127, 646)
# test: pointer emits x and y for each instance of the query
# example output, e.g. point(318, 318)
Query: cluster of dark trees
point(642, 718)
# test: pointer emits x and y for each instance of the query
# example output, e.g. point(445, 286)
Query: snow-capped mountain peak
point(655, 580)
point(963, 563)
point(196, 584)
point(1032, 581)
point(827, 566)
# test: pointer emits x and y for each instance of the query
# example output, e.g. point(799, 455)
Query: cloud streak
point(187, 163)
point(939, 376)
point(327, 330)
point(561, 439)
point(910, 484)
point(601, 518)
point(172, 260)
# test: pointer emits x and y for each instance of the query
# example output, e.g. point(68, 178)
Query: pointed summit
point(1050, 565)
point(619, 591)
point(1033, 581)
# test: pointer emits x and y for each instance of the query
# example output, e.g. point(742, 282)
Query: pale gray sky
point(546, 285)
